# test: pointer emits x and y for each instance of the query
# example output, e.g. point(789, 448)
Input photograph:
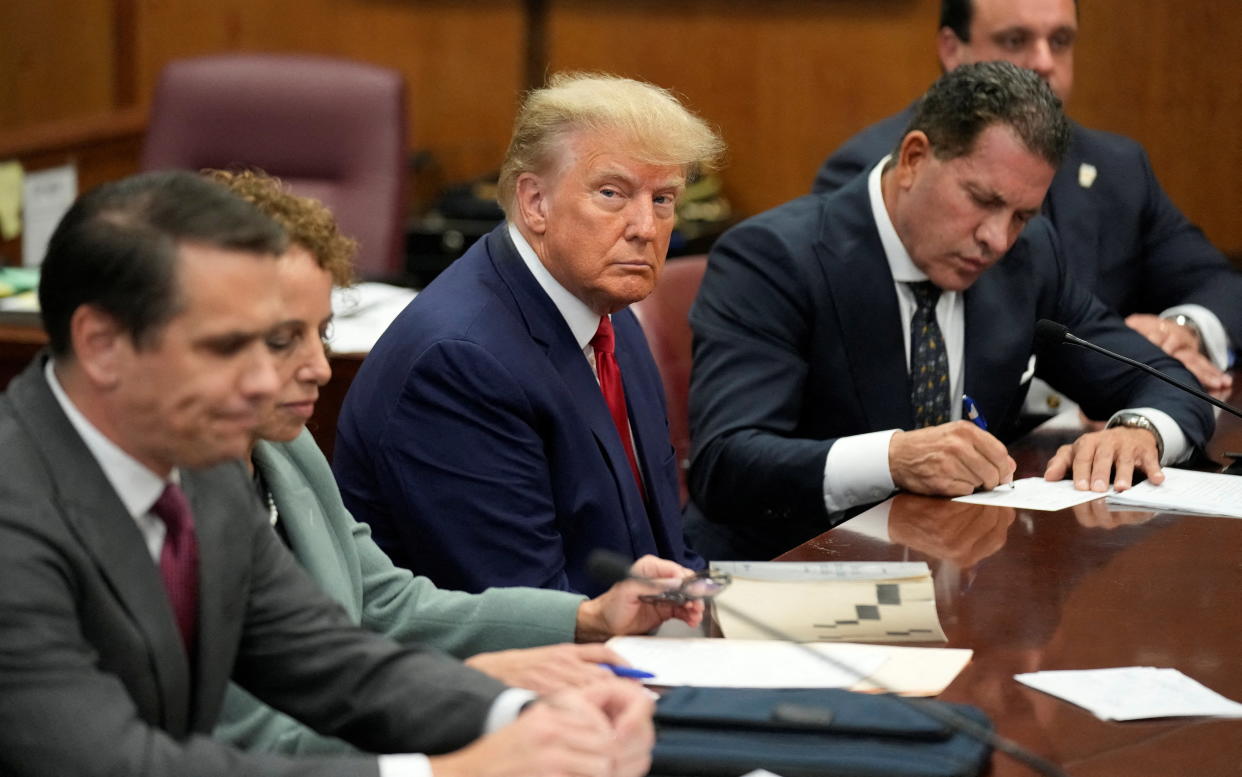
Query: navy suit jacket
point(798, 341)
point(476, 443)
point(1125, 240)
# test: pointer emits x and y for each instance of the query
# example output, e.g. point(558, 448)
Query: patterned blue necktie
point(929, 362)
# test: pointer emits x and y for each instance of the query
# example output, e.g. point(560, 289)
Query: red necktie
point(179, 560)
point(614, 392)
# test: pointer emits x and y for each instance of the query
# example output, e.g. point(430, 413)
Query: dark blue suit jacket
point(1125, 240)
point(476, 443)
point(798, 341)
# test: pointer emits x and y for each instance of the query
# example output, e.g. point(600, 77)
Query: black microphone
point(611, 568)
point(1051, 333)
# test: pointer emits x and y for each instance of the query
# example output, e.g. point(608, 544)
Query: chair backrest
point(332, 129)
point(665, 317)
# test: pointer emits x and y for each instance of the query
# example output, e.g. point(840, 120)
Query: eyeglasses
point(704, 584)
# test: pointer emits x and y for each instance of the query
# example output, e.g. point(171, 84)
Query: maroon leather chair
point(332, 129)
point(665, 318)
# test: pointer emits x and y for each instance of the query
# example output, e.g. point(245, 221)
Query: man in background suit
point(491, 438)
point(140, 573)
point(1125, 239)
point(835, 335)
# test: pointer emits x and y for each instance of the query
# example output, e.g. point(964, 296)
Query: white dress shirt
point(139, 488)
point(856, 467)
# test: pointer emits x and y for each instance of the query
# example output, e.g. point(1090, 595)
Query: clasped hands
point(958, 458)
point(600, 730)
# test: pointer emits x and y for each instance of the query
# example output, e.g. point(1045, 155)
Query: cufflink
point(1086, 175)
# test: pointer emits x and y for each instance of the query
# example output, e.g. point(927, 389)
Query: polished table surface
point(1077, 589)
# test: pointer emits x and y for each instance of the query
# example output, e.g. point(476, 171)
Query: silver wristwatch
point(1136, 421)
point(1183, 320)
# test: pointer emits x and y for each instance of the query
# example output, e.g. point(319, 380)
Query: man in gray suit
point(140, 574)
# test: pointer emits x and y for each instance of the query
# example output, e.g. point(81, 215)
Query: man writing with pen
point(833, 334)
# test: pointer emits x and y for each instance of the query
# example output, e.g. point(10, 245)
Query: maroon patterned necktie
point(609, 375)
point(179, 560)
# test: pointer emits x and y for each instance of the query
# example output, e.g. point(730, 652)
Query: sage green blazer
point(340, 555)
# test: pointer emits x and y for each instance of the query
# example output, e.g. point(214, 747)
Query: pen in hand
point(971, 412)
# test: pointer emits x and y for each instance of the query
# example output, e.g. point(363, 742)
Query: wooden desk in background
point(1078, 589)
point(22, 336)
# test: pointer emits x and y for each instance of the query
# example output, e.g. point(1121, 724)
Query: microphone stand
point(1081, 343)
point(1056, 333)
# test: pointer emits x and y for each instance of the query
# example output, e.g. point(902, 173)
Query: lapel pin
point(1086, 175)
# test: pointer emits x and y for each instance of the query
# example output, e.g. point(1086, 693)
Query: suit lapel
point(868, 318)
point(306, 528)
point(110, 536)
point(218, 502)
point(548, 328)
point(996, 355)
point(650, 428)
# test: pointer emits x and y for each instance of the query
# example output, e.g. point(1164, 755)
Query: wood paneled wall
point(785, 80)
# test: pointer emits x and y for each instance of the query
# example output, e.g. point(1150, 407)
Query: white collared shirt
point(856, 467)
point(137, 487)
point(582, 321)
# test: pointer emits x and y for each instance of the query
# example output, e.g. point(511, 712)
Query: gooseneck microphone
point(609, 568)
point(1051, 333)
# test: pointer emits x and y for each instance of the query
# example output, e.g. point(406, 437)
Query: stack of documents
point(1186, 491)
point(741, 663)
point(832, 601)
point(1133, 693)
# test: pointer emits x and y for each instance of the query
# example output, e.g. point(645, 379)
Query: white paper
point(910, 671)
point(46, 196)
point(1034, 494)
point(1133, 693)
point(737, 663)
point(361, 313)
point(1187, 491)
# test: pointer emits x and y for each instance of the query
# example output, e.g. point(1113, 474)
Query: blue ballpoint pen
point(970, 411)
point(625, 671)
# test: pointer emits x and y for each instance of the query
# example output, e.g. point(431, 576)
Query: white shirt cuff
point(505, 709)
point(856, 471)
point(1176, 448)
point(408, 765)
point(1211, 332)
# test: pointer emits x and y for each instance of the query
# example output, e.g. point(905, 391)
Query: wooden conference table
point(1078, 589)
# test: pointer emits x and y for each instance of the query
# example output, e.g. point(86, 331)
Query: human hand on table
point(1098, 458)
